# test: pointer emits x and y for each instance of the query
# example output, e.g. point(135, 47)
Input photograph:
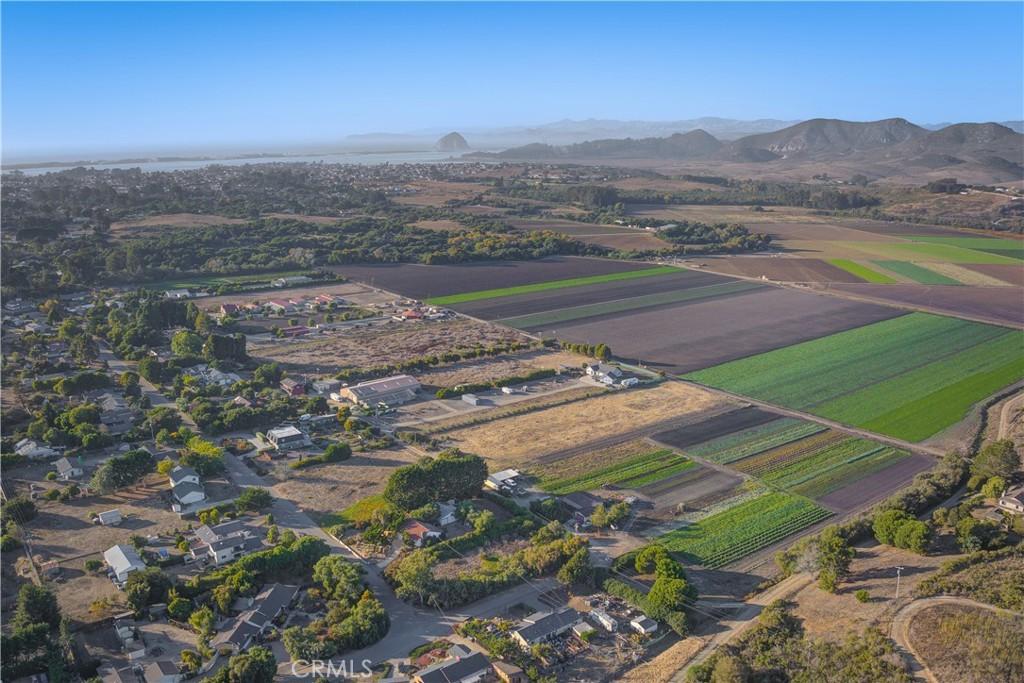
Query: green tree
point(834, 558)
point(36, 604)
point(202, 622)
point(577, 570)
point(669, 595)
point(997, 459)
point(185, 343)
point(340, 579)
point(994, 487)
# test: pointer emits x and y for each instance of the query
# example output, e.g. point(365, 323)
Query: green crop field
point(989, 245)
point(550, 284)
point(734, 533)
point(849, 471)
point(833, 457)
point(862, 271)
point(562, 315)
point(630, 473)
point(917, 273)
point(931, 252)
point(909, 377)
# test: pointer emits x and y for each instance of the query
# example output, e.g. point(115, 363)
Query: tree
point(669, 595)
point(151, 369)
point(834, 557)
point(338, 451)
point(577, 569)
point(255, 665)
point(887, 523)
point(36, 604)
point(185, 343)
point(340, 579)
point(997, 459)
point(254, 498)
point(165, 466)
point(179, 608)
point(994, 487)
point(913, 535)
point(147, 587)
point(202, 622)
point(19, 509)
point(273, 534)
point(730, 669)
point(451, 475)
point(190, 661)
point(599, 517)
point(415, 575)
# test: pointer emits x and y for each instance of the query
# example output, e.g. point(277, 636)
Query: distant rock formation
point(453, 142)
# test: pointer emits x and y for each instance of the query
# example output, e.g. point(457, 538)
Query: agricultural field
point(998, 305)
point(916, 273)
point(622, 415)
point(631, 473)
point(991, 245)
point(909, 377)
point(419, 281)
point(932, 251)
point(549, 285)
point(738, 531)
point(706, 332)
point(861, 271)
point(779, 268)
point(567, 227)
point(1007, 272)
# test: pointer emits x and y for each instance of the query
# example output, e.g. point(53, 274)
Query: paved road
point(900, 631)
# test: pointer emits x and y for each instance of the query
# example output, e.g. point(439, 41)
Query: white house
point(123, 560)
point(1013, 500)
point(186, 487)
point(287, 437)
point(33, 449)
point(447, 514)
point(543, 626)
point(644, 625)
point(162, 671)
point(604, 619)
point(109, 518)
point(224, 542)
point(66, 470)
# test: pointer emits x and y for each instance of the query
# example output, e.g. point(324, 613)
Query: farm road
point(789, 412)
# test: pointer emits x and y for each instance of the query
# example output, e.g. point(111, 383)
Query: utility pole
point(899, 570)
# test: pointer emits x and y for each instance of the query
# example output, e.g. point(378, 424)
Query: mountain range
point(983, 152)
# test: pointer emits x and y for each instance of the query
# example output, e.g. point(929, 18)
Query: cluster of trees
point(122, 470)
point(76, 426)
point(214, 347)
point(353, 616)
point(598, 351)
point(533, 376)
point(897, 528)
point(451, 475)
point(670, 594)
point(726, 237)
point(36, 638)
point(255, 665)
point(775, 649)
point(81, 382)
point(550, 550)
point(604, 517)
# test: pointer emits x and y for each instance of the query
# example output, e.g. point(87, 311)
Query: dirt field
point(705, 333)
point(352, 291)
point(877, 485)
point(723, 214)
point(714, 426)
point(171, 220)
point(444, 225)
point(779, 269)
point(382, 345)
point(568, 426)
point(970, 276)
point(636, 241)
point(422, 282)
point(325, 489)
point(663, 667)
point(438, 193)
point(1001, 305)
point(1007, 272)
point(487, 369)
point(567, 227)
point(554, 299)
point(316, 220)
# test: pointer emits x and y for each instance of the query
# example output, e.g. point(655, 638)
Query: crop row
point(800, 471)
point(777, 458)
point(674, 467)
point(849, 471)
point(639, 467)
point(917, 273)
point(548, 285)
point(571, 313)
point(743, 529)
point(746, 442)
point(862, 271)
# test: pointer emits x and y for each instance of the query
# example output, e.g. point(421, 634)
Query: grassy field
point(917, 273)
point(550, 284)
point(909, 377)
point(743, 529)
point(359, 513)
point(630, 473)
point(562, 315)
point(862, 271)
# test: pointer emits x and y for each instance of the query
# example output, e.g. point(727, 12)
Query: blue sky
point(120, 76)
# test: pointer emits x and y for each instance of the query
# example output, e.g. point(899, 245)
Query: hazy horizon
point(90, 81)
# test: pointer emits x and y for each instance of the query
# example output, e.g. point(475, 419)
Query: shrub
point(862, 596)
point(93, 565)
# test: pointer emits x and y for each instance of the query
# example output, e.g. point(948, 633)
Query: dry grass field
point(386, 344)
point(437, 193)
point(443, 225)
point(325, 489)
point(170, 220)
point(316, 220)
point(634, 241)
point(562, 427)
point(488, 369)
point(354, 292)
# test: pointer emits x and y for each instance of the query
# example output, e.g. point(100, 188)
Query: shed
point(109, 518)
point(644, 625)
